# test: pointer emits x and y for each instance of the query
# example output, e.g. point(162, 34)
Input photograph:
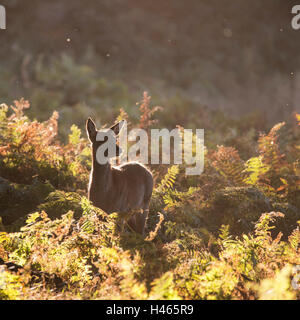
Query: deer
point(125, 188)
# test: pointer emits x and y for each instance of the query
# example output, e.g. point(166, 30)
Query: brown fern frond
point(226, 160)
point(147, 112)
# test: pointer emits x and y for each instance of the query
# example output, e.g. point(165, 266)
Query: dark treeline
point(235, 55)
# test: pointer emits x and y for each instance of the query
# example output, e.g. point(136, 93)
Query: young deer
point(122, 188)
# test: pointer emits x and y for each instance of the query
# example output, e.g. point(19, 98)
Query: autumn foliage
point(230, 233)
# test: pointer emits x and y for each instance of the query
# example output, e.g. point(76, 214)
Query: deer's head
point(104, 141)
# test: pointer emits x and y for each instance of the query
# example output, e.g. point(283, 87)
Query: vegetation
point(93, 59)
point(230, 233)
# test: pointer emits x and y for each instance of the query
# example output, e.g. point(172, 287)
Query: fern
point(228, 163)
point(147, 112)
point(263, 227)
point(74, 137)
point(294, 238)
point(168, 180)
point(255, 169)
point(224, 234)
point(269, 148)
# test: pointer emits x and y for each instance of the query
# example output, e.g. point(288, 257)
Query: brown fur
point(122, 188)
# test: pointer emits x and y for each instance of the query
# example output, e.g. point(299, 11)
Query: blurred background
point(229, 64)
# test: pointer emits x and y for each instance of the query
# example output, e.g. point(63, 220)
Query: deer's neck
point(100, 179)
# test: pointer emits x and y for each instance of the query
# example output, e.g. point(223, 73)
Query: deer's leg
point(132, 222)
point(125, 216)
point(122, 225)
point(137, 221)
point(141, 220)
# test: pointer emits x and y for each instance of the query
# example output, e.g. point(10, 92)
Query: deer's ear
point(91, 130)
point(116, 128)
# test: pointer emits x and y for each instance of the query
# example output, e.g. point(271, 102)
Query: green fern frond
point(255, 168)
point(169, 179)
point(294, 239)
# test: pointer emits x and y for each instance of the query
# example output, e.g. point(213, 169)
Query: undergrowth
point(230, 233)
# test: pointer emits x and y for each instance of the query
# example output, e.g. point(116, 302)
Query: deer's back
point(130, 187)
point(137, 184)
